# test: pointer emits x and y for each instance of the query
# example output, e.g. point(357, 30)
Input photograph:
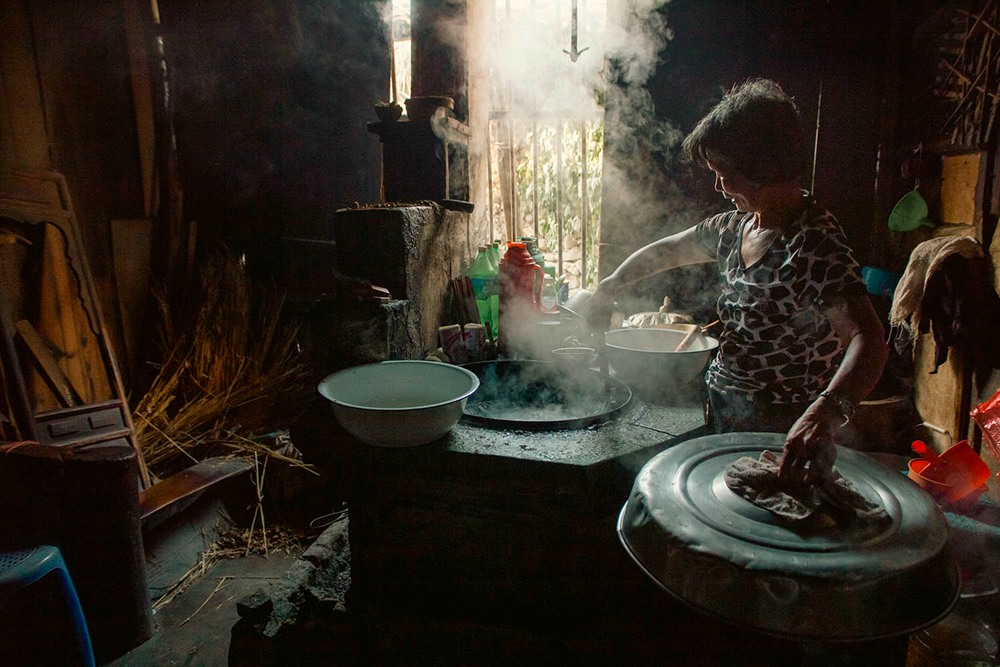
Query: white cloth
point(835, 498)
point(926, 258)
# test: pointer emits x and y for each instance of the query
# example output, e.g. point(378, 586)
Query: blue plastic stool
point(19, 569)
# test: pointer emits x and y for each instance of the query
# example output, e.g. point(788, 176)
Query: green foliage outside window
point(546, 182)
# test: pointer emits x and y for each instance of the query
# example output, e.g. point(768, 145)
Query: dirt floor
point(193, 629)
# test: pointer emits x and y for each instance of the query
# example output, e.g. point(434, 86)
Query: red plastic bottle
point(520, 285)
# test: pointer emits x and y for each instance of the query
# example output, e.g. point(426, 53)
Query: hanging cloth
point(946, 290)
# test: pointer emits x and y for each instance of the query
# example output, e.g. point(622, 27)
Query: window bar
point(584, 203)
point(511, 232)
point(559, 193)
point(534, 175)
point(489, 178)
point(515, 223)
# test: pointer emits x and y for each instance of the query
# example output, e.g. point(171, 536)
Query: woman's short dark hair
point(755, 130)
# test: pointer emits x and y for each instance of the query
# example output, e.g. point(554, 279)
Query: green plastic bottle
point(495, 253)
point(483, 277)
point(494, 292)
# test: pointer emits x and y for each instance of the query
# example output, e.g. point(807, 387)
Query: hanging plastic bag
point(987, 417)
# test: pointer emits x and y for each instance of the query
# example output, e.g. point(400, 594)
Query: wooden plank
point(17, 406)
point(22, 114)
point(33, 190)
point(938, 395)
point(66, 324)
point(131, 248)
point(136, 33)
point(55, 378)
point(962, 189)
point(171, 495)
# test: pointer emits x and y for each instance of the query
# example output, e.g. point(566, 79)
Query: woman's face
point(736, 188)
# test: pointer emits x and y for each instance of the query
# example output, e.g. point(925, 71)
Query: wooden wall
point(268, 104)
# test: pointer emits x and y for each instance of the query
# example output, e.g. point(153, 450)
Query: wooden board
point(938, 396)
point(173, 494)
point(69, 317)
point(131, 246)
point(962, 180)
point(23, 139)
point(942, 398)
point(47, 364)
point(67, 325)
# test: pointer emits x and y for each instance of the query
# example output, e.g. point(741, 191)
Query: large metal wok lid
point(733, 560)
point(542, 396)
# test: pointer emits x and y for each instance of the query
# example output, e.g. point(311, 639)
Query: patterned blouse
point(776, 344)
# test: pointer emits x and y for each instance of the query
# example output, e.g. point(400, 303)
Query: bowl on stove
point(399, 403)
point(645, 360)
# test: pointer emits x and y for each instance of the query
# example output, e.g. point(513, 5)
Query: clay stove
point(498, 527)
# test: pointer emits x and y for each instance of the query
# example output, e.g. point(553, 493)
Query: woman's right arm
point(680, 249)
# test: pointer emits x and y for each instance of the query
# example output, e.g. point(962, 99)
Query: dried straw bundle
point(233, 374)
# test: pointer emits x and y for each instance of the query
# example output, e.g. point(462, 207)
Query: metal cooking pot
point(733, 560)
point(542, 396)
point(646, 360)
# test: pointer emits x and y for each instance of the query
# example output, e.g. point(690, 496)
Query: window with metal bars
point(546, 133)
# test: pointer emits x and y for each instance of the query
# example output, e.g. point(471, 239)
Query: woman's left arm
point(812, 438)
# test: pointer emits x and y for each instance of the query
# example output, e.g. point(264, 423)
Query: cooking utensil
point(691, 335)
point(646, 360)
point(423, 108)
point(731, 559)
point(388, 112)
point(399, 403)
point(687, 340)
point(953, 475)
point(602, 356)
point(574, 358)
point(536, 396)
point(563, 308)
point(924, 451)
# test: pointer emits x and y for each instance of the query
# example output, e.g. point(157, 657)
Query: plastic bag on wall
point(987, 417)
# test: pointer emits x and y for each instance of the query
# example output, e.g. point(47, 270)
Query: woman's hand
point(810, 447)
point(600, 306)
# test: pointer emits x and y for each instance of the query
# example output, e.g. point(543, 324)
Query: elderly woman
point(801, 344)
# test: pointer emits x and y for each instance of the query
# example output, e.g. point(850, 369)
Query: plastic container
point(909, 213)
point(880, 282)
point(531, 243)
point(987, 417)
point(953, 475)
point(549, 303)
point(494, 252)
point(483, 277)
point(520, 289)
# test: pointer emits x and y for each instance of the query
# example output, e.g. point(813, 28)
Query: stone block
point(304, 609)
point(414, 252)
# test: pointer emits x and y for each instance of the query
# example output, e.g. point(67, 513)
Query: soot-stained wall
point(271, 101)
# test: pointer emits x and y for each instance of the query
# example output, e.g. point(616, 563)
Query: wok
point(542, 396)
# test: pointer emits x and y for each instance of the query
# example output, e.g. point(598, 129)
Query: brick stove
point(501, 524)
point(500, 547)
